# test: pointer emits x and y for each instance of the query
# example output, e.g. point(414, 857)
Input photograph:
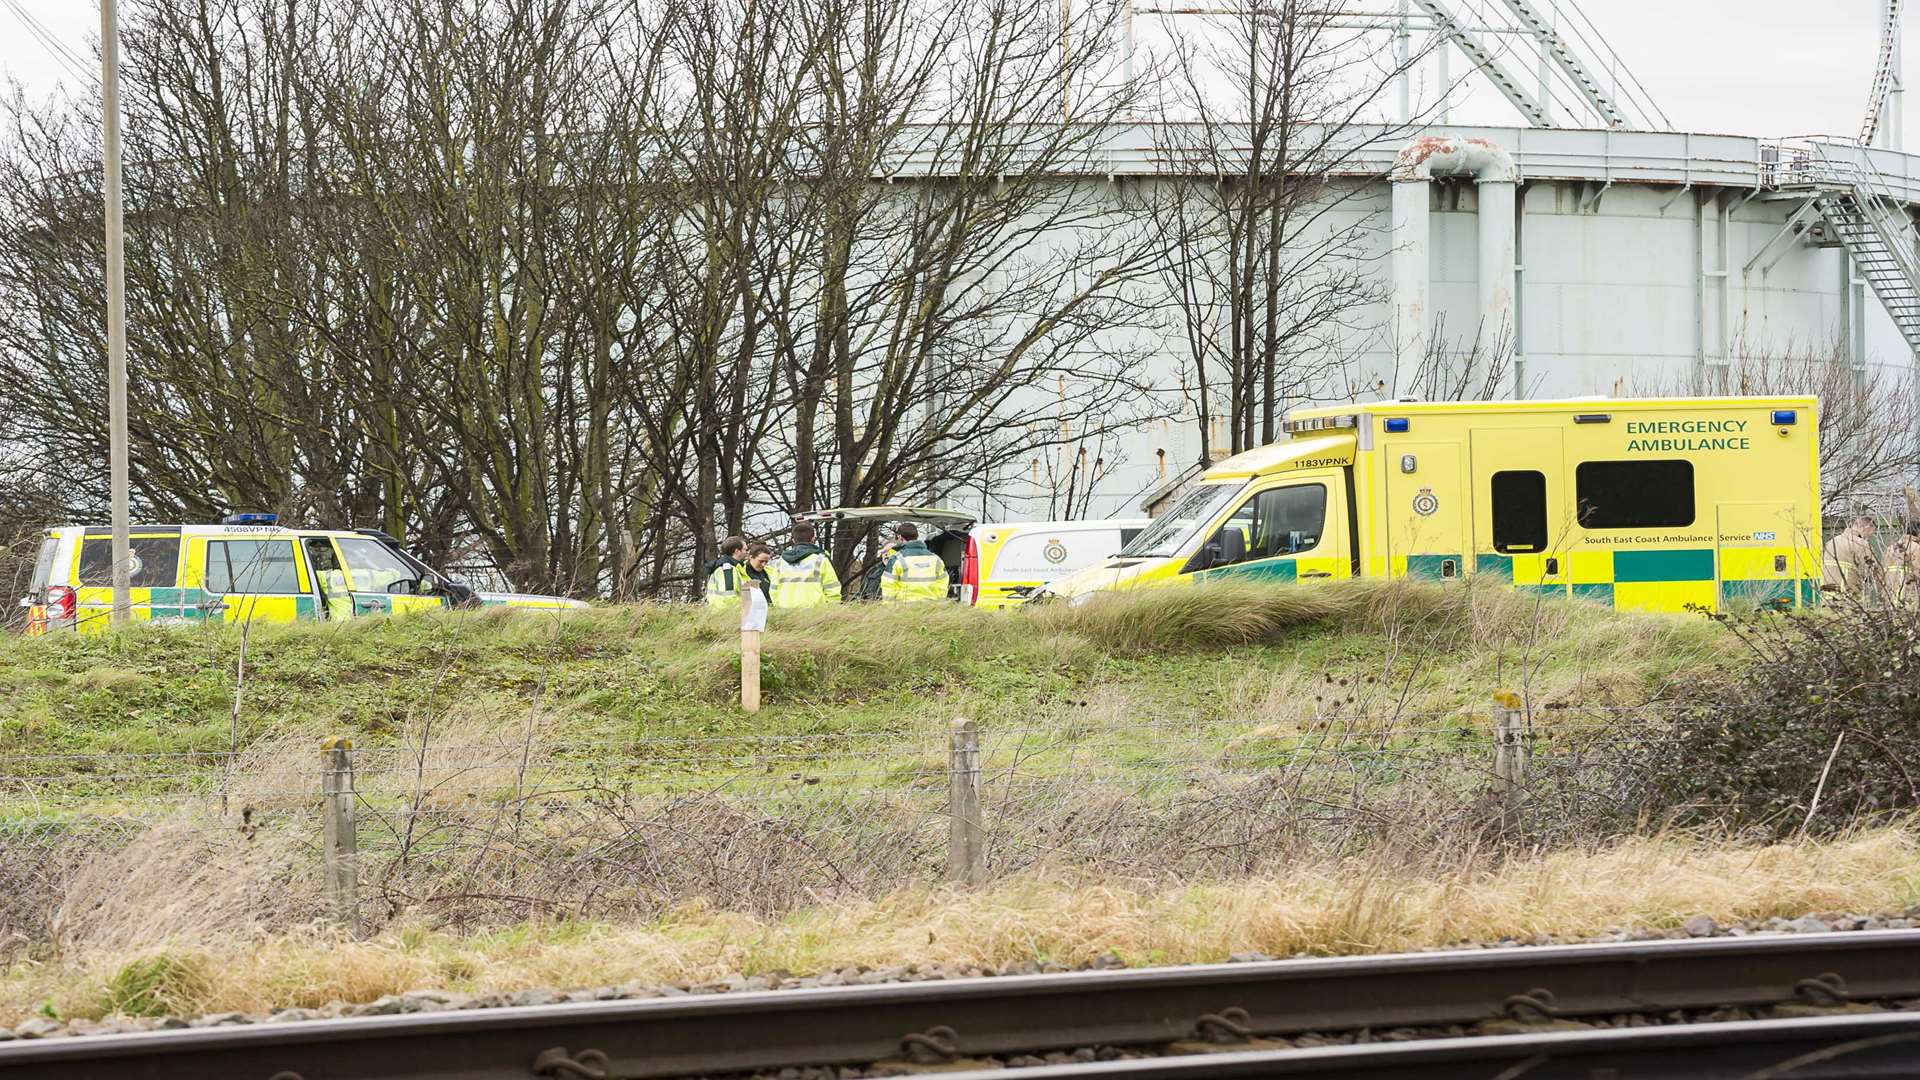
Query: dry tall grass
point(1319, 908)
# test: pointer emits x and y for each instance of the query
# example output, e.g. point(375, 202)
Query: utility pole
point(1403, 57)
point(1066, 64)
point(116, 309)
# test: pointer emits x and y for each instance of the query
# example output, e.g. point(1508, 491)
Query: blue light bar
point(1784, 417)
point(249, 519)
point(1397, 425)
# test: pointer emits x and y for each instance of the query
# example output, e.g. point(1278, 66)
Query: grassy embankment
point(1205, 666)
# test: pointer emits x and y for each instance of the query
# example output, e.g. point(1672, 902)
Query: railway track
point(949, 1024)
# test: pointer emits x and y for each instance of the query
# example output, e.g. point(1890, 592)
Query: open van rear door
point(953, 523)
point(923, 515)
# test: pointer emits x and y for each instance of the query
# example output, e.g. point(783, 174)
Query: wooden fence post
point(342, 841)
point(1512, 750)
point(966, 837)
point(753, 619)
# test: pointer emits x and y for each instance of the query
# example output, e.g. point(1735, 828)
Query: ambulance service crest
point(1426, 504)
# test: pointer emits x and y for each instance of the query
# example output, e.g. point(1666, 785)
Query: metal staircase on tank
point(1884, 74)
point(1869, 222)
point(1564, 57)
point(1578, 81)
point(1469, 43)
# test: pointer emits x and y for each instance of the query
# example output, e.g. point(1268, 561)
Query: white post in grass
point(753, 620)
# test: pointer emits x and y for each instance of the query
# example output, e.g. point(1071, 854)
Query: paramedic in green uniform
point(911, 572)
point(723, 575)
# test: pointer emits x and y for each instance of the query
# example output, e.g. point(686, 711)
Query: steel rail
point(742, 1032)
point(1882, 1045)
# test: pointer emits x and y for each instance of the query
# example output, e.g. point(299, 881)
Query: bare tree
point(582, 283)
point(1269, 264)
point(1450, 371)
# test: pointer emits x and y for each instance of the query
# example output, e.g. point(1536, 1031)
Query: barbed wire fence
point(121, 848)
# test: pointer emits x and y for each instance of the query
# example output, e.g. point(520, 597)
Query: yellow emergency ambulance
point(248, 568)
point(1652, 504)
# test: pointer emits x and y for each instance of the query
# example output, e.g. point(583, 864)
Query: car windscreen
point(1171, 531)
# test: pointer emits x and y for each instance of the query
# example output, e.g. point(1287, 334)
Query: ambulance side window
point(324, 565)
point(1519, 511)
point(1635, 494)
point(320, 557)
point(1275, 522)
point(155, 561)
point(251, 566)
point(43, 566)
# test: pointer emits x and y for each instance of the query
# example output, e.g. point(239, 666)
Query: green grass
point(1128, 679)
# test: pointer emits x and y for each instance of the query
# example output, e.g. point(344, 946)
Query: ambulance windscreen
point(1170, 531)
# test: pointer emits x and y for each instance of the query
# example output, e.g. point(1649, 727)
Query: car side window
point(320, 557)
point(1275, 522)
point(251, 566)
point(153, 561)
point(375, 568)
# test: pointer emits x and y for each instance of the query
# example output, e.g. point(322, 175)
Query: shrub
point(1833, 693)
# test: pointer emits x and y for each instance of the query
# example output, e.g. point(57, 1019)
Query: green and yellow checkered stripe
point(94, 606)
point(1659, 579)
point(1282, 569)
point(1751, 575)
point(1426, 567)
point(1527, 573)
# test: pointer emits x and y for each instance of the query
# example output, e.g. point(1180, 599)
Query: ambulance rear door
point(1522, 518)
point(1763, 555)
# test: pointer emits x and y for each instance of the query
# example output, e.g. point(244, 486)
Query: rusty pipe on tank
point(1495, 178)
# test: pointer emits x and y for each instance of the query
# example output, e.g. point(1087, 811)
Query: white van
point(1014, 559)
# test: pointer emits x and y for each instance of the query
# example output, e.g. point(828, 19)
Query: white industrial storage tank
point(1617, 254)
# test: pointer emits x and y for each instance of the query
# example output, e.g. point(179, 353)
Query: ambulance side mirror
point(1233, 547)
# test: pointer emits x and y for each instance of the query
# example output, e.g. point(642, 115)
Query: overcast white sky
point(1749, 67)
